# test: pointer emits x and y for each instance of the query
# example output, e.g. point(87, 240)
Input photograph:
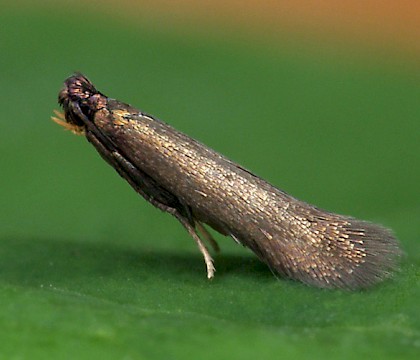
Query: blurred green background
point(89, 270)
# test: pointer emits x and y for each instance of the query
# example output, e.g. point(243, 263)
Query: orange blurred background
point(390, 24)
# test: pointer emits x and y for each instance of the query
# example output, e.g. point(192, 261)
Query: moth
point(198, 186)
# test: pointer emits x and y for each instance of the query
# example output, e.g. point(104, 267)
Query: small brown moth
point(199, 186)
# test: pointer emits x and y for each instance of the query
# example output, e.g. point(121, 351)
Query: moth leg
point(207, 257)
point(134, 177)
point(210, 239)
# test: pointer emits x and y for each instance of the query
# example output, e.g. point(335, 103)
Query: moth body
point(197, 185)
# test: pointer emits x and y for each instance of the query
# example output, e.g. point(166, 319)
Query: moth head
point(80, 101)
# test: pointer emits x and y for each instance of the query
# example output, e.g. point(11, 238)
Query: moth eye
point(85, 109)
